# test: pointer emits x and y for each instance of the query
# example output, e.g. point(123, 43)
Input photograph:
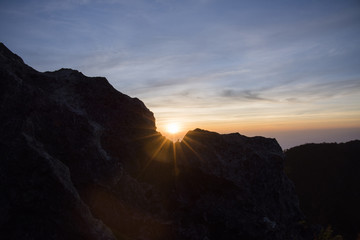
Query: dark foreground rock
point(327, 180)
point(80, 160)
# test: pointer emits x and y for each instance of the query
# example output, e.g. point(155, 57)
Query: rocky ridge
point(80, 160)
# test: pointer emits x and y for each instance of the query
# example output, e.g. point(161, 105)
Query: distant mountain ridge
point(327, 180)
point(80, 160)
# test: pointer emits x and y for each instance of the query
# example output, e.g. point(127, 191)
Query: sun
point(173, 128)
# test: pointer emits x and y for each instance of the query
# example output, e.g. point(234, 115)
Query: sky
point(283, 69)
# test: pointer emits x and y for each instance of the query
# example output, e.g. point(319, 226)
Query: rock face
point(80, 160)
point(327, 180)
point(236, 183)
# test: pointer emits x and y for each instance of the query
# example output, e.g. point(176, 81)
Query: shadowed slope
point(327, 180)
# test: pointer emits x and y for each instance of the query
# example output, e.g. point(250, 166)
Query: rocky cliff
point(80, 160)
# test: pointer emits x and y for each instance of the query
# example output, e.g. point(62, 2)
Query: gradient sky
point(284, 69)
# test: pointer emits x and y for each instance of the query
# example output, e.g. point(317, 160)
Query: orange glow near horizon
point(284, 128)
point(290, 123)
point(269, 123)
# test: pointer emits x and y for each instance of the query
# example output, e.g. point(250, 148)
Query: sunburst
point(173, 128)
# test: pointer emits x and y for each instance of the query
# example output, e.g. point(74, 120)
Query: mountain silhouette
point(80, 160)
point(327, 180)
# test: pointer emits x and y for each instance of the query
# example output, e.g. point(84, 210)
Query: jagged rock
point(80, 160)
point(38, 198)
point(233, 186)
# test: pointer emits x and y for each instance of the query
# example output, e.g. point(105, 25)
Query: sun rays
point(161, 150)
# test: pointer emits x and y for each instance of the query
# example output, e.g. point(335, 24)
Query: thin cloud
point(244, 95)
point(313, 91)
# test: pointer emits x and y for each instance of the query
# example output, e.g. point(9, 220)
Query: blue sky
point(275, 68)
